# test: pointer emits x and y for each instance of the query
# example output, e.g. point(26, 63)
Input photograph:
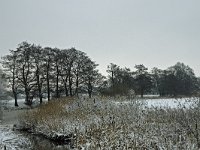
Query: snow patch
point(11, 140)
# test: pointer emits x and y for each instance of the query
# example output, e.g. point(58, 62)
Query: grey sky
point(126, 32)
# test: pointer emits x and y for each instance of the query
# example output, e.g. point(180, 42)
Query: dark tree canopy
point(143, 80)
point(36, 71)
point(177, 80)
point(120, 80)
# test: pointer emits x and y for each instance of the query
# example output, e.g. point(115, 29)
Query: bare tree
point(92, 78)
point(38, 60)
point(26, 69)
point(48, 63)
point(143, 80)
point(10, 66)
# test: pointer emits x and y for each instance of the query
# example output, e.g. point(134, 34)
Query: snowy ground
point(163, 102)
point(171, 102)
point(10, 139)
point(13, 140)
point(9, 104)
point(119, 122)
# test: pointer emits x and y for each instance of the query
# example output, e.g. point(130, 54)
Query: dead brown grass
point(49, 114)
point(118, 126)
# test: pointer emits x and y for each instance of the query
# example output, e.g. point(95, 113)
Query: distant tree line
point(36, 71)
point(177, 80)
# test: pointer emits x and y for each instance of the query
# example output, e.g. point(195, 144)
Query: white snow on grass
point(10, 104)
point(12, 141)
point(9, 139)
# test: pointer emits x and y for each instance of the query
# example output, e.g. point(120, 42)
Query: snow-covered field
point(171, 103)
point(163, 102)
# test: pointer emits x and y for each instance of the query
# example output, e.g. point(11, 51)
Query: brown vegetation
point(101, 124)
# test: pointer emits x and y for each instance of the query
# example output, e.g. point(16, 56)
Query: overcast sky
point(156, 33)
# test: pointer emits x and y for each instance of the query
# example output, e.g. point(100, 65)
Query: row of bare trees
point(37, 72)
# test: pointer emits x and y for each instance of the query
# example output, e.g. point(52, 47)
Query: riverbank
point(9, 139)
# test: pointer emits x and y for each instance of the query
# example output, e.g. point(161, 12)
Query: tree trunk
point(57, 80)
point(112, 78)
point(90, 94)
point(38, 84)
point(14, 89)
point(90, 89)
point(48, 86)
point(70, 87)
point(66, 90)
point(27, 99)
point(77, 84)
point(15, 96)
point(70, 82)
point(40, 95)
